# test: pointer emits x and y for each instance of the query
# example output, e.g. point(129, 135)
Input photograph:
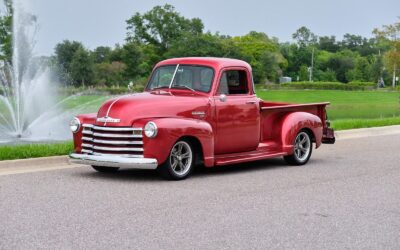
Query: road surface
point(348, 196)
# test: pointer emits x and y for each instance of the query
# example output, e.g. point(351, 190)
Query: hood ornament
point(108, 119)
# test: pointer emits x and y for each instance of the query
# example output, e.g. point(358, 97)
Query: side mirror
point(222, 98)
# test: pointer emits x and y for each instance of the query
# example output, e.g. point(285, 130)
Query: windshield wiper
point(184, 86)
point(162, 87)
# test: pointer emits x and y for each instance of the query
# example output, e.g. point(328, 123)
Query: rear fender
point(170, 130)
point(293, 123)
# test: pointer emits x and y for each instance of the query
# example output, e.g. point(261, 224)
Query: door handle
point(251, 102)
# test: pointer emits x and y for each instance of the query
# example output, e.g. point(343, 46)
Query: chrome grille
point(119, 141)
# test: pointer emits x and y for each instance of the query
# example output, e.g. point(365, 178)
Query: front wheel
point(180, 161)
point(302, 149)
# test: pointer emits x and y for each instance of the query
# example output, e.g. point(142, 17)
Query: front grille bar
point(112, 141)
point(118, 149)
point(117, 135)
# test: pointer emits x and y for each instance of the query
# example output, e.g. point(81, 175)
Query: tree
point(65, 52)
point(341, 63)
point(81, 67)
point(328, 43)
point(110, 73)
point(101, 54)
point(196, 45)
point(262, 53)
point(132, 58)
point(361, 71)
point(392, 57)
point(6, 32)
point(161, 26)
point(304, 37)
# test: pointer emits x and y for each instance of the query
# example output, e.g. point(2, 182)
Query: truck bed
point(272, 113)
point(290, 106)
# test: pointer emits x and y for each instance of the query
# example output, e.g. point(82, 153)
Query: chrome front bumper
point(113, 161)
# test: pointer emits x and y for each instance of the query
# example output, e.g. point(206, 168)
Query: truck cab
point(197, 111)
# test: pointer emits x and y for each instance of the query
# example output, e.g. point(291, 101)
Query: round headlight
point(150, 130)
point(75, 125)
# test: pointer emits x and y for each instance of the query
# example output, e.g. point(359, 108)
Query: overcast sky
point(102, 22)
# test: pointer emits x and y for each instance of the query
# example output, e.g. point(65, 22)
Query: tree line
point(163, 33)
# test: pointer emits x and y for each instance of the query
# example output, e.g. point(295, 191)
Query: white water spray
point(29, 110)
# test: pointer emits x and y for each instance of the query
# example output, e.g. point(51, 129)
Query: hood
point(133, 107)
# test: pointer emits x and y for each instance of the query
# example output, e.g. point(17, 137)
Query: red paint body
point(243, 128)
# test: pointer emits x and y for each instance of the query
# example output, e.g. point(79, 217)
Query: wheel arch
point(293, 123)
point(171, 130)
point(197, 147)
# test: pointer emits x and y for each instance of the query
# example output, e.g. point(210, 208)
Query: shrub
point(325, 85)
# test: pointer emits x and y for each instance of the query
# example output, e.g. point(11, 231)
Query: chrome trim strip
point(113, 161)
point(117, 129)
point(86, 151)
point(118, 149)
point(88, 125)
point(109, 108)
point(87, 132)
point(87, 145)
point(117, 135)
point(120, 155)
point(87, 139)
point(118, 142)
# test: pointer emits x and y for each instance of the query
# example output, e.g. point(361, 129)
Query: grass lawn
point(348, 109)
point(13, 152)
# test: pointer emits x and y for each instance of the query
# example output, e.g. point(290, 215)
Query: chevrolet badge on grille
point(108, 119)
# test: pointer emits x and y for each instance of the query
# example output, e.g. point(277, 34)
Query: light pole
point(310, 69)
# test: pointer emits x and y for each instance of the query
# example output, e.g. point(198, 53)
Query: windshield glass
point(196, 78)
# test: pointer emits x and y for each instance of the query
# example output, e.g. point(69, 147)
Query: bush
point(138, 86)
point(325, 85)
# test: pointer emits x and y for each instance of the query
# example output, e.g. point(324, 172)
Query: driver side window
point(233, 82)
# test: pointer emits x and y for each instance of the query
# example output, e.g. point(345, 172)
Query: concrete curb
point(33, 165)
point(45, 161)
point(367, 132)
point(61, 162)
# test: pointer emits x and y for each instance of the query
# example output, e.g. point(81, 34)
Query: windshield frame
point(177, 66)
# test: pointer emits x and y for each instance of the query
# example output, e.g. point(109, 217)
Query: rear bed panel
point(273, 114)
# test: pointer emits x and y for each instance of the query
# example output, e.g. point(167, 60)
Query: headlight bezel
point(75, 123)
point(150, 129)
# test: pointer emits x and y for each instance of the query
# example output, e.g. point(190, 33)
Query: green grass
point(344, 104)
point(13, 152)
point(364, 123)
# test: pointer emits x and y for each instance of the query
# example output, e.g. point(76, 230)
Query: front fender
point(293, 123)
point(170, 130)
point(77, 137)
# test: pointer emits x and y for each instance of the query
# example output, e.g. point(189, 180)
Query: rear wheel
point(105, 169)
point(180, 161)
point(302, 149)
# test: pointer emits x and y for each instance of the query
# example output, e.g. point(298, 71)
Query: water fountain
point(30, 109)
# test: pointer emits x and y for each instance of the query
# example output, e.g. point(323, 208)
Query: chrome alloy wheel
point(181, 158)
point(302, 146)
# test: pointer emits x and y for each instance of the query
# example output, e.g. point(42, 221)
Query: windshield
point(195, 78)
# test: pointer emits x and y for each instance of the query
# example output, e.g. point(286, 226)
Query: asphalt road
point(348, 196)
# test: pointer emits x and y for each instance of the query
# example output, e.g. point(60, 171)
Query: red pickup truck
point(197, 111)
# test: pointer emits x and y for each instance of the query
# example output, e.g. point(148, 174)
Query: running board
point(221, 160)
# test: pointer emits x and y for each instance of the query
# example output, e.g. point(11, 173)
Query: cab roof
point(214, 62)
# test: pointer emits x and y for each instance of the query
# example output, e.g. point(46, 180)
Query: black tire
point(302, 149)
point(105, 169)
point(180, 162)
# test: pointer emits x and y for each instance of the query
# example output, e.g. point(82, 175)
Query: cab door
point(237, 113)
